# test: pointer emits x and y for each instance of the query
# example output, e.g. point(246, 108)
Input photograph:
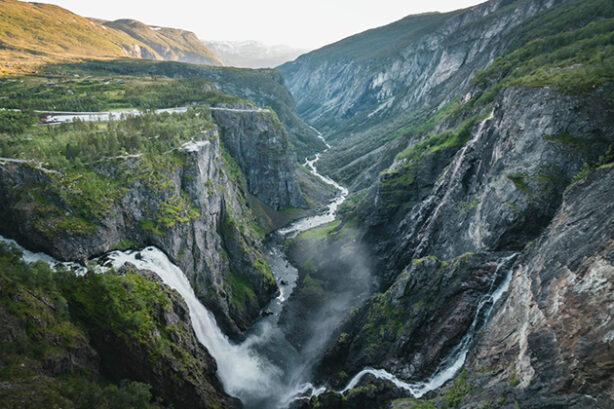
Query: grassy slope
point(33, 34)
point(172, 44)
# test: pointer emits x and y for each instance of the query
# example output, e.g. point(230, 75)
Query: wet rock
point(551, 341)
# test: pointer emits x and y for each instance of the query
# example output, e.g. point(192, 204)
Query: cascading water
point(455, 360)
point(243, 373)
point(30, 257)
point(265, 371)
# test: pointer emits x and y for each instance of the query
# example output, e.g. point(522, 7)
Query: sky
point(307, 24)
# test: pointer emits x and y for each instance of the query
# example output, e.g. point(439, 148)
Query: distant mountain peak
point(252, 53)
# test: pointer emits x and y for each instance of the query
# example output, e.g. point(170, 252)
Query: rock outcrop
point(550, 342)
point(499, 190)
point(259, 144)
point(364, 89)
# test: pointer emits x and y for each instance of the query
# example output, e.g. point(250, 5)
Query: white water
point(458, 161)
point(242, 368)
point(31, 257)
point(455, 360)
point(242, 372)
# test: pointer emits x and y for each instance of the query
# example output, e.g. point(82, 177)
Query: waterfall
point(455, 360)
point(243, 369)
point(243, 373)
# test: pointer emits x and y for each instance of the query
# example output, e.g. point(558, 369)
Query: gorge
point(417, 216)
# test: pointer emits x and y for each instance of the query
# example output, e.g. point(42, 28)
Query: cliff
point(189, 201)
point(363, 91)
point(484, 186)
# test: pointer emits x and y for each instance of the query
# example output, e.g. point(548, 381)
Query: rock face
point(551, 340)
point(193, 385)
point(359, 94)
point(266, 87)
point(259, 145)
point(497, 191)
point(207, 233)
point(445, 192)
point(441, 226)
point(411, 327)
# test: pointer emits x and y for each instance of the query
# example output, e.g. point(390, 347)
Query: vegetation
point(384, 321)
point(15, 122)
point(75, 88)
point(76, 158)
point(319, 232)
point(50, 34)
point(39, 306)
point(397, 181)
point(169, 43)
point(570, 48)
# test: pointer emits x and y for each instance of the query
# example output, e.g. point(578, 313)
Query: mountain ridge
point(33, 34)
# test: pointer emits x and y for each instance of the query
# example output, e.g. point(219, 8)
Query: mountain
point(170, 43)
point(479, 152)
point(190, 260)
point(253, 54)
point(32, 34)
point(364, 90)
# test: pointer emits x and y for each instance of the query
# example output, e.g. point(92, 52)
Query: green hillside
point(33, 34)
point(383, 41)
point(170, 43)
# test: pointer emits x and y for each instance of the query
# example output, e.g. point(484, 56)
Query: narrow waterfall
point(455, 360)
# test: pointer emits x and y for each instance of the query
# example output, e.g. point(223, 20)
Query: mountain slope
point(504, 184)
point(170, 43)
point(362, 94)
point(32, 34)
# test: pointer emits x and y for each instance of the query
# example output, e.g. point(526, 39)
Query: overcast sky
point(300, 23)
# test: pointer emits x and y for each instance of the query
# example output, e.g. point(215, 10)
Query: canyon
point(417, 216)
